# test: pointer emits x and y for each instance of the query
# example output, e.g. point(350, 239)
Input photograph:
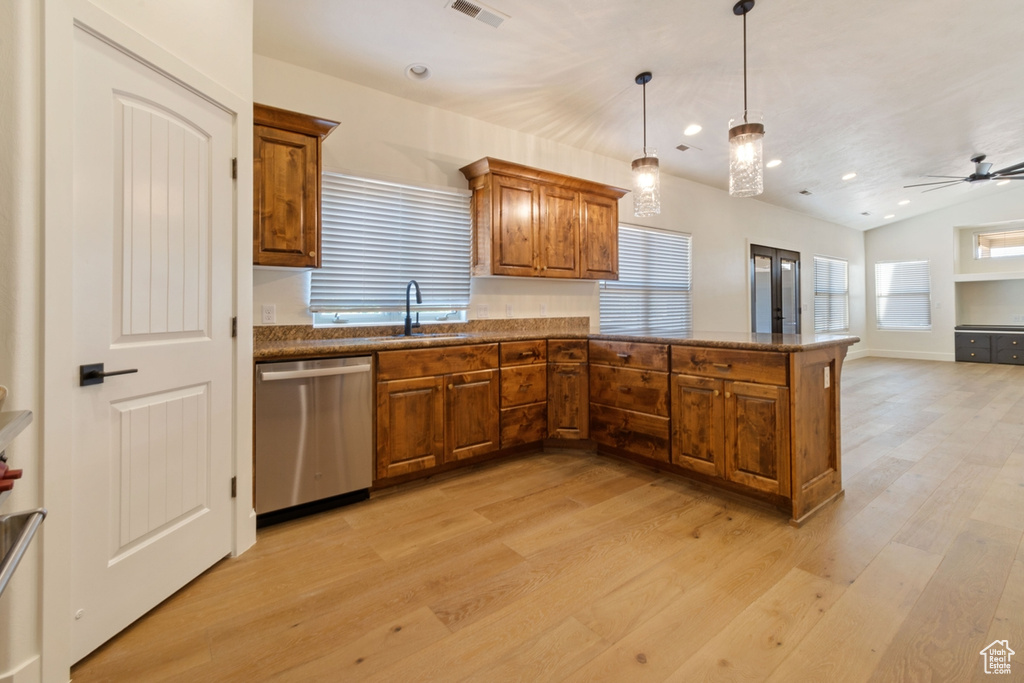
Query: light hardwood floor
point(566, 566)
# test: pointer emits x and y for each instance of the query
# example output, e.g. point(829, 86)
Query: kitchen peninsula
point(754, 414)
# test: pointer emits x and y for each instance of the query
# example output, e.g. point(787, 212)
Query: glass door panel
point(775, 290)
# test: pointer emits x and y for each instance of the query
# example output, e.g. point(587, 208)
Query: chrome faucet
point(409, 324)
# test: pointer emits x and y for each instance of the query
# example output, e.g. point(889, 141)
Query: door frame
point(775, 253)
point(60, 19)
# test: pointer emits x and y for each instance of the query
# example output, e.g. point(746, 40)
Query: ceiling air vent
point(865, 213)
point(805, 192)
point(682, 148)
point(487, 15)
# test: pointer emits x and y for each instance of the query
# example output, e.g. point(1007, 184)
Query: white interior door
point(153, 285)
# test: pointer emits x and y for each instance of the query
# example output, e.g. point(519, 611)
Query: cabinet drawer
point(436, 361)
point(1014, 343)
point(972, 340)
point(523, 384)
point(744, 366)
point(630, 354)
point(1013, 355)
point(639, 433)
point(567, 350)
point(524, 424)
point(974, 355)
point(522, 352)
point(645, 391)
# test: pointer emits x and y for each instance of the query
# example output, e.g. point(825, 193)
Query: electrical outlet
point(828, 377)
point(543, 310)
point(1018, 318)
point(482, 311)
point(269, 314)
point(508, 310)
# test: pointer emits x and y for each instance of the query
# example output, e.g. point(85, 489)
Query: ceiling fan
point(981, 172)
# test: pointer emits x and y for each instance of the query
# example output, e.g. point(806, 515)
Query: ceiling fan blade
point(1016, 168)
point(955, 182)
point(958, 177)
point(1010, 177)
point(941, 182)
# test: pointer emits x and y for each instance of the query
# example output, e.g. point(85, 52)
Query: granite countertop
point(992, 328)
point(293, 342)
point(737, 340)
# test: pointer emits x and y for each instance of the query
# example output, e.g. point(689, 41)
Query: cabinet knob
point(728, 395)
point(716, 392)
point(312, 254)
point(972, 341)
point(1014, 343)
point(452, 386)
point(972, 355)
point(1015, 356)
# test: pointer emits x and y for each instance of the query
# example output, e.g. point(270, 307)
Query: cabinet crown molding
point(482, 167)
point(264, 115)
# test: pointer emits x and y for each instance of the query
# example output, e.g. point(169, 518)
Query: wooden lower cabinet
point(568, 413)
point(737, 431)
point(410, 425)
point(471, 414)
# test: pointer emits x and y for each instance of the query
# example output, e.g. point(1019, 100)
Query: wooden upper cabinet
point(286, 187)
point(570, 229)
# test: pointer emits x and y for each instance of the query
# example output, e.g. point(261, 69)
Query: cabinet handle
point(972, 355)
point(451, 386)
point(527, 354)
point(728, 395)
point(972, 341)
point(716, 392)
point(524, 387)
point(624, 389)
point(623, 356)
point(312, 254)
point(722, 366)
point(1014, 343)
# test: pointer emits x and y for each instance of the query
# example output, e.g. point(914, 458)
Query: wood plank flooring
point(568, 566)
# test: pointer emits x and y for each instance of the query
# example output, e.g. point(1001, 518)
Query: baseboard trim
point(910, 355)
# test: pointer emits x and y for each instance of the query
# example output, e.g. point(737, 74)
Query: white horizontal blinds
point(378, 235)
point(999, 244)
point(831, 295)
point(652, 293)
point(903, 295)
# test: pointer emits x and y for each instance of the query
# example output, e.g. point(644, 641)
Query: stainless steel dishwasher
point(313, 435)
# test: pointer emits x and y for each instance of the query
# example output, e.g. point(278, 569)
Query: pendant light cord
point(744, 67)
point(645, 117)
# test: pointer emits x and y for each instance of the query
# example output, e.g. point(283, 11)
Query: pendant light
point(746, 132)
point(646, 180)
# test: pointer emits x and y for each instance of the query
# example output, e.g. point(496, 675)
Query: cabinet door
point(410, 425)
point(698, 427)
point(514, 226)
point(568, 413)
point(599, 237)
point(471, 414)
point(757, 436)
point(286, 198)
point(559, 235)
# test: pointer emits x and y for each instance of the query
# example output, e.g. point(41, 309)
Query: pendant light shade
point(646, 175)
point(746, 132)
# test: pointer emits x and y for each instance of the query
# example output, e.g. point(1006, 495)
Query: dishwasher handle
point(272, 376)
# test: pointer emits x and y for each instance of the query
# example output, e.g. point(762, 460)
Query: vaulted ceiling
point(888, 89)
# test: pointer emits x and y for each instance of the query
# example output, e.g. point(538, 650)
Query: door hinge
point(234, 487)
point(234, 168)
point(234, 326)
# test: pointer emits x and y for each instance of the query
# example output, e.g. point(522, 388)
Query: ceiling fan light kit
point(982, 171)
point(746, 133)
point(646, 173)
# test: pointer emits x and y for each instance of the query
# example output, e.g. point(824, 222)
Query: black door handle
point(94, 374)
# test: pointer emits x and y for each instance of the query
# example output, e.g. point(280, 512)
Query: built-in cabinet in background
point(286, 187)
point(533, 223)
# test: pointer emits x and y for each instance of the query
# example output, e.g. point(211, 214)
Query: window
point(999, 244)
point(379, 235)
point(831, 295)
point(903, 295)
point(652, 293)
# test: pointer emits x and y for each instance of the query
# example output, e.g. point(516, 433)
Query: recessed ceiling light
point(903, 202)
point(891, 215)
point(849, 176)
point(417, 72)
point(773, 163)
point(1003, 182)
point(693, 129)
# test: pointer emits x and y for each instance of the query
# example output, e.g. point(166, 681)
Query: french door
point(774, 290)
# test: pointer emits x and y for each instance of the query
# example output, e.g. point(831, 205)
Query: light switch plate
point(508, 310)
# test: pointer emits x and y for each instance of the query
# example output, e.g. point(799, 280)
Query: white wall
point(932, 236)
point(388, 137)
